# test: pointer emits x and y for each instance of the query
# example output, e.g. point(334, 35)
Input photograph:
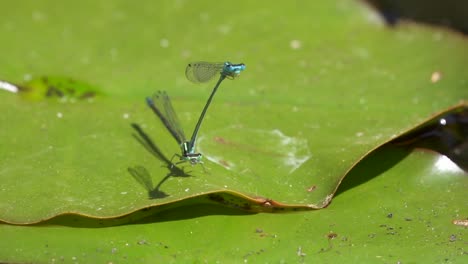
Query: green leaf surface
point(403, 213)
point(319, 93)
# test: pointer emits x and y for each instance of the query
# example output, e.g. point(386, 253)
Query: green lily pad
point(311, 104)
point(326, 84)
point(407, 204)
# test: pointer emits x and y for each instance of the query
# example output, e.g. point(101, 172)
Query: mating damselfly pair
point(197, 72)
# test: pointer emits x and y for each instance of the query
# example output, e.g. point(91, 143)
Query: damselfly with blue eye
point(161, 105)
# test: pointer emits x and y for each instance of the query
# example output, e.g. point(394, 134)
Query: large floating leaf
point(405, 214)
point(325, 84)
point(313, 101)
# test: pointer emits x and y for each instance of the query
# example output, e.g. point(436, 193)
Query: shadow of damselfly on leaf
point(141, 174)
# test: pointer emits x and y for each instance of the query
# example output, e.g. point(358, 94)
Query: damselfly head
point(195, 159)
point(233, 70)
point(188, 153)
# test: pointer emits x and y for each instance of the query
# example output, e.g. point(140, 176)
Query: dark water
point(448, 13)
point(447, 135)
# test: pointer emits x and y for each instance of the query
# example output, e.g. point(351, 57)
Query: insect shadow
point(141, 174)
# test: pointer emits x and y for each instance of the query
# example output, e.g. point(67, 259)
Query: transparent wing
point(172, 116)
point(162, 107)
point(199, 72)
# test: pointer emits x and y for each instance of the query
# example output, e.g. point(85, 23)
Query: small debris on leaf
point(436, 76)
point(453, 238)
point(462, 222)
point(332, 235)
